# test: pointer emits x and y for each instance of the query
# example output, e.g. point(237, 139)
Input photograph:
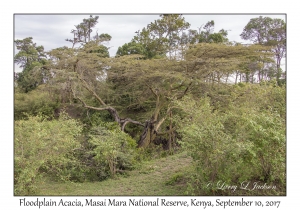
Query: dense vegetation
point(82, 116)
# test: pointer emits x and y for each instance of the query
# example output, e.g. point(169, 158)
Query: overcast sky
point(52, 30)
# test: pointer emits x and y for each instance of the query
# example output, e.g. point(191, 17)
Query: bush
point(34, 103)
point(238, 145)
point(42, 145)
point(113, 148)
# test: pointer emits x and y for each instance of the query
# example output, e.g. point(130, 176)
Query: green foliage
point(96, 48)
point(269, 32)
point(241, 144)
point(94, 118)
point(31, 58)
point(162, 36)
point(205, 140)
point(174, 178)
point(207, 36)
point(172, 78)
point(112, 147)
point(82, 33)
point(42, 144)
point(131, 48)
point(34, 103)
point(28, 52)
point(267, 96)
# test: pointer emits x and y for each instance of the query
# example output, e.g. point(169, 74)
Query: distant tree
point(162, 36)
point(171, 27)
point(89, 44)
point(32, 59)
point(269, 32)
point(217, 61)
point(102, 37)
point(89, 24)
point(131, 48)
point(208, 36)
point(96, 47)
point(82, 33)
point(28, 52)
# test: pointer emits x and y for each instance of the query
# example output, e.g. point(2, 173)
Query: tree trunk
point(148, 135)
point(171, 134)
point(278, 73)
point(151, 126)
point(236, 77)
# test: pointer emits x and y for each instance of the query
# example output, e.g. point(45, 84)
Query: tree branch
point(152, 90)
point(162, 120)
point(128, 120)
point(89, 107)
point(187, 88)
point(86, 86)
point(112, 111)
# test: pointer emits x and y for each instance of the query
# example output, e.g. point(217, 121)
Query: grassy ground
point(164, 176)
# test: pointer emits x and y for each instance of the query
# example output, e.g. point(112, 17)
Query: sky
point(51, 31)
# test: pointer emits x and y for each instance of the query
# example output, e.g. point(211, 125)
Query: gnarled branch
point(111, 110)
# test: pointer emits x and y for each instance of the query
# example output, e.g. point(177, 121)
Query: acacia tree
point(128, 85)
point(65, 61)
point(269, 32)
point(150, 85)
point(216, 61)
point(171, 26)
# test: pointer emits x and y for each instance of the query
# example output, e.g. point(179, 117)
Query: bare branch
point(86, 86)
point(89, 107)
point(128, 120)
point(97, 108)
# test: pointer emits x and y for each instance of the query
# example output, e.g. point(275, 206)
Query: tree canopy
point(269, 32)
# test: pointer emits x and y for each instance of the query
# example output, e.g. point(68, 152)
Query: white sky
point(52, 30)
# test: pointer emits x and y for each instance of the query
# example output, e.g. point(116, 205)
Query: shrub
point(114, 148)
point(34, 103)
point(42, 144)
point(238, 145)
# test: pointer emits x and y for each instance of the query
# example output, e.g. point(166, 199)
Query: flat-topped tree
point(128, 85)
point(214, 62)
point(131, 87)
point(150, 86)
